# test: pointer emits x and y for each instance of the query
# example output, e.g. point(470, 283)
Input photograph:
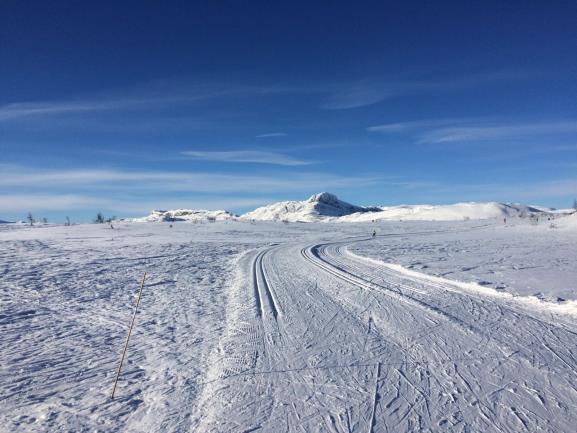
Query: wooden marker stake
point(128, 336)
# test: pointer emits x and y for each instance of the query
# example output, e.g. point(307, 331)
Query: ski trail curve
point(319, 340)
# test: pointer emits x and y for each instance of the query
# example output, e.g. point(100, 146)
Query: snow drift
point(570, 222)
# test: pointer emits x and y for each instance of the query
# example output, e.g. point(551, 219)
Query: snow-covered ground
point(290, 327)
point(520, 257)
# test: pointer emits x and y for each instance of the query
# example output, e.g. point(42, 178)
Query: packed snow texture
point(273, 327)
point(521, 257)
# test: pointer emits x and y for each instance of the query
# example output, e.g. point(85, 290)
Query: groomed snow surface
point(264, 326)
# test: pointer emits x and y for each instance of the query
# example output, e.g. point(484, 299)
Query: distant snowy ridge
point(318, 207)
point(452, 212)
point(190, 215)
point(5, 222)
point(327, 207)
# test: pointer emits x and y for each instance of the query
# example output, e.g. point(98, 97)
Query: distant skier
point(374, 233)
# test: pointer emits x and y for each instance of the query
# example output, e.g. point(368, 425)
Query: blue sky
point(123, 107)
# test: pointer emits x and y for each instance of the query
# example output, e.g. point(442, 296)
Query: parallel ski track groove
point(336, 267)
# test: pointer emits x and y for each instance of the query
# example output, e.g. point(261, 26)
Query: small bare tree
point(30, 218)
point(67, 223)
point(99, 218)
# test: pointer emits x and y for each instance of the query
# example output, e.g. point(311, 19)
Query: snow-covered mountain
point(318, 207)
point(327, 207)
point(452, 212)
point(190, 215)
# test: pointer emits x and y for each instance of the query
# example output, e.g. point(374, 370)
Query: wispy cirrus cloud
point(178, 93)
point(24, 189)
point(496, 132)
point(156, 96)
point(470, 130)
point(165, 181)
point(271, 135)
point(33, 202)
point(529, 191)
point(23, 203)
point(416, 125)
point(247, 156)
point(23, 110)
point(371, 91)
point(47, 202)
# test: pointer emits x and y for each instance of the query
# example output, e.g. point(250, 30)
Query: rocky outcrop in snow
point(190, 215)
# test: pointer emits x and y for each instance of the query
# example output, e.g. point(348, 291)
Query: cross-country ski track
point(318, 339)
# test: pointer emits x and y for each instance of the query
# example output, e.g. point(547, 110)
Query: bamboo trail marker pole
point(128, 336)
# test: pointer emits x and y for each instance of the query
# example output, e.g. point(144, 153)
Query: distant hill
point(318, 207)
point(327, 207)
point(452, 212)
point(190, 215)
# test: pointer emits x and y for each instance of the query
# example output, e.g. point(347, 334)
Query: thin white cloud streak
point(562, 148)
point(14, 203)
point(467, 130)
point(495, 132)
point(369, 91)
point(221, 203)
point(22, 110)
point(509, 192)
point(414, 125)
point(157, 181)
point(148, 97)
point(23, 203)
point(271, 135)
point(170, 94)
point(247, 156)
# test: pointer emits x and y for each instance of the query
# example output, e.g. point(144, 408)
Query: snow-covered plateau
point(246, 325)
